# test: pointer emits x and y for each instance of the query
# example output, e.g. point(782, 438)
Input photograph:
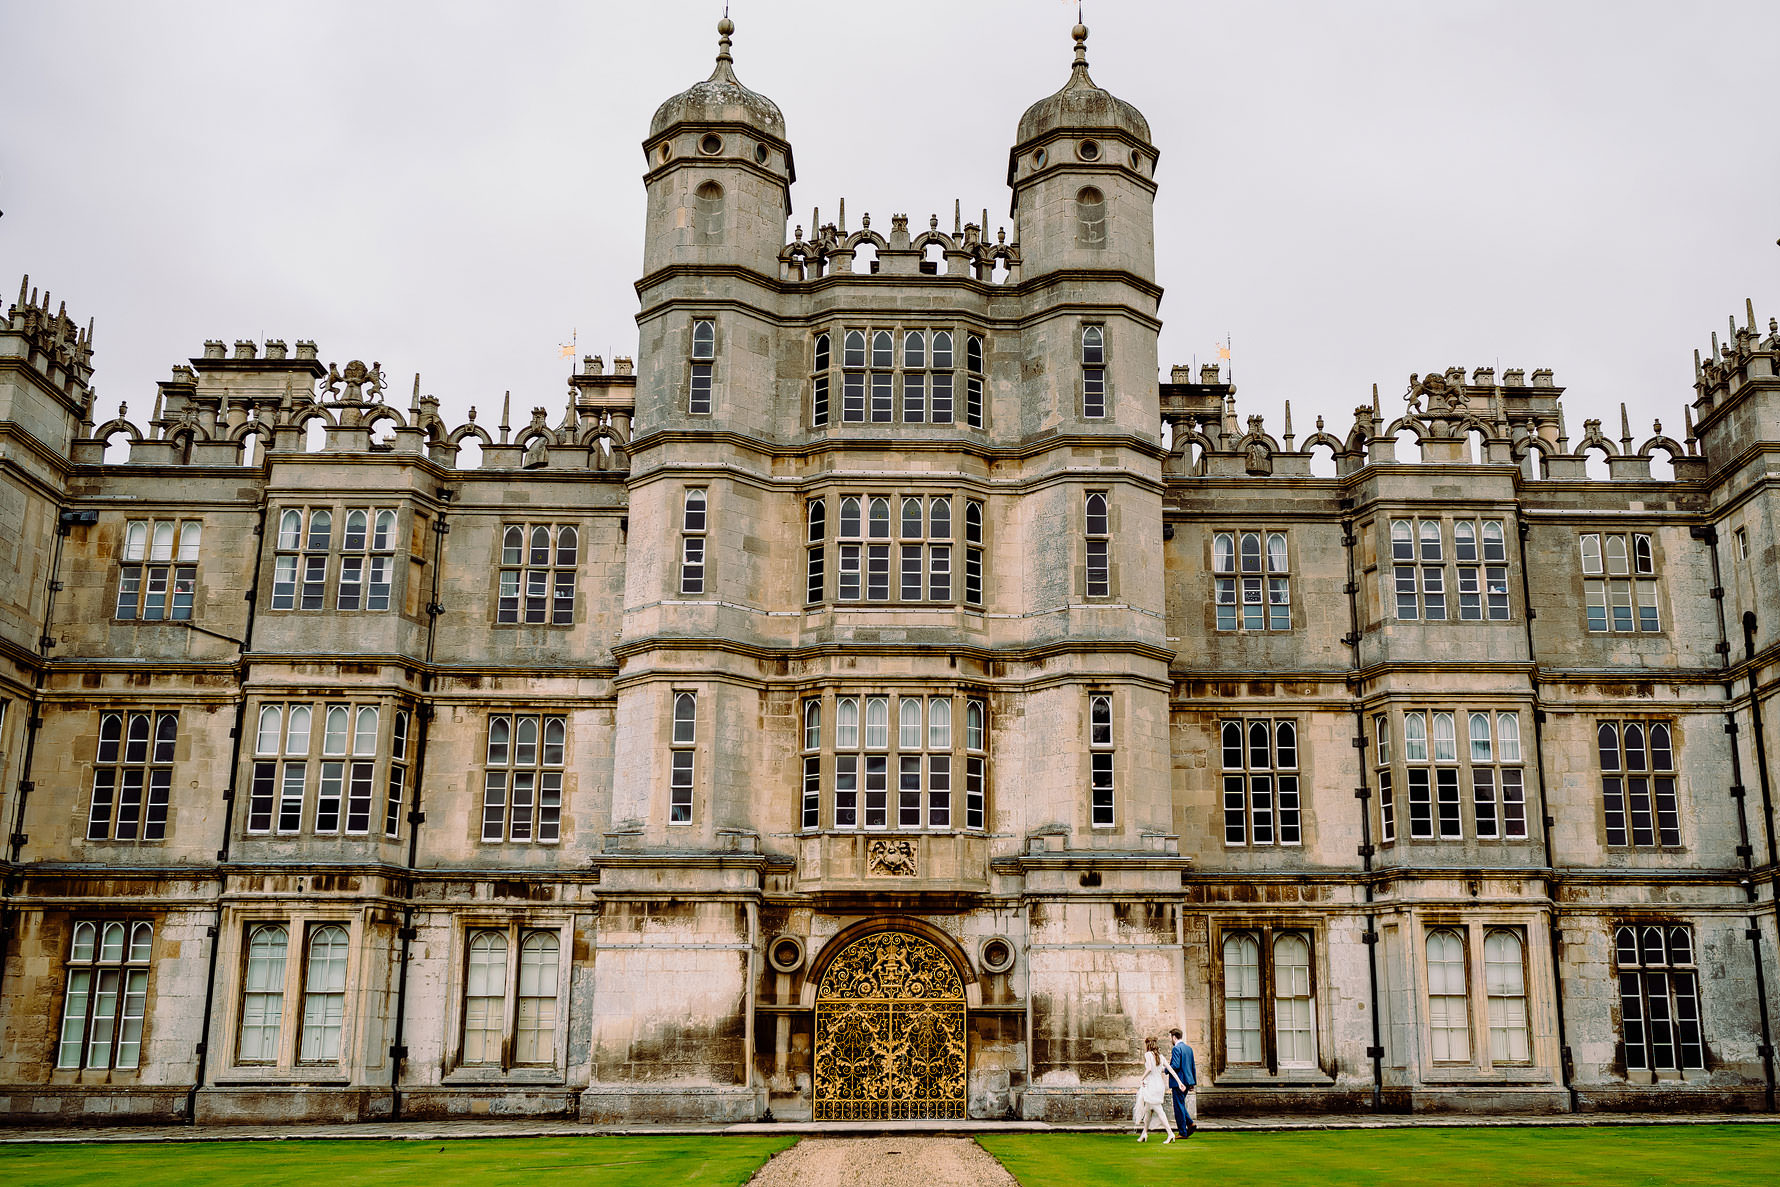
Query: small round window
point(666, 153)
point(711, 145)
point(1137, 161)
point(760, 153)
point(1039, 158)
point(1089, 150)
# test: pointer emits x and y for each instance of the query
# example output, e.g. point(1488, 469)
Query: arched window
point(1093, 373)
point(357, 524)
point(262, 996)
point(914, 349)
point(384, 537)
point(364, 731)
point(939, 723)
point(324, 994)
point(1242, 1000)
point(911, 518)
point(321, 525)
point(708, 200)
point(853, 349)
point(270, 731)
point(1090, 217)
point(908, 731)
point(485, 990)
point(812, 725)
point(1294, 1019)
point(290, 530)
point(1251, 552)
point(1449, 1017)
point(877, 723)
point(939, 519)
point(1504, 976)
point(535, 1031)
point(883, 353)
point(1099, 530)
point(334, 737)
point(846, 723)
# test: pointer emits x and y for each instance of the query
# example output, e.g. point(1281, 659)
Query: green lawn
point(1615, 1156)
point(605, 1161)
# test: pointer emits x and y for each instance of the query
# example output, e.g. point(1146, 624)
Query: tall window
point(910, 739)
point(522, 783)
point(1659, 1003)
point(692, 543)
point(1261, 805)
point(158, 578)
point(973, 381)
point(1498, 793)
point(704, 350)
point(1093, 373)
point(1269, 1000)
point(1639, 806)
point(262, 994)
point(1449, 1010)
point(309, 540)
point(1100, 761)
point(1421, 588)
point(132, 775)
point(1443, 750)
point(398, 774)
point(889, 547)
point(107, 996)
point(511, 1021)
point(1257, 566)
point(538, 563)
point(889, 375)
point(1505, 985)
point(1481, 588)
point(330, 747)
point(973, 552)
point(1619, 582)
point(1387, 801)
point(1099, 543)
point(685, 738)
point(1090, 218)
point(816, 521)
point(820, 381)
point(324, 994)
point(367, 559)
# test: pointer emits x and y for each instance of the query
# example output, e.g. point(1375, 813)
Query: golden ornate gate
point(889, 1032)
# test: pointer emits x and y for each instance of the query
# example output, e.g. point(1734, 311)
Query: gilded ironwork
point(890, 1033)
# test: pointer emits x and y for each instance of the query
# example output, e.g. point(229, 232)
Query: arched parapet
point(1410, 424)
point(926, 238)
point(533, 433)
point(1663, 443)
point(113, 427)
point(1320, 438)
point(837, 944)
point(1593, 438)
point(864, 235)
point(467, 430)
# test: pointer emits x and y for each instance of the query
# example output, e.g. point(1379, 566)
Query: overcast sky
point(1352, 191)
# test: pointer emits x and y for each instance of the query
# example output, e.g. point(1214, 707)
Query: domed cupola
point(720, 99)
point(1081, 105)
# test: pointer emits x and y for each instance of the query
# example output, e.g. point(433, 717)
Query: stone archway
point(890, 1032)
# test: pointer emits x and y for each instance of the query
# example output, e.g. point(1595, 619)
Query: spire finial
point(724, 28)
point(1080, 33)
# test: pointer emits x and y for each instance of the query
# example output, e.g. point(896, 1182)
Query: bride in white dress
point(1151, 1093)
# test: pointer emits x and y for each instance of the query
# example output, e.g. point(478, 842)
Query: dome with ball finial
point(720, 99)
point(1081, 104)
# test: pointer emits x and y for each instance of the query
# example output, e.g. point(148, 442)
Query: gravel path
point(883, 1162)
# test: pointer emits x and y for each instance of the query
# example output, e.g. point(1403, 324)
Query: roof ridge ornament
point(724, 72)
point(1080, 33)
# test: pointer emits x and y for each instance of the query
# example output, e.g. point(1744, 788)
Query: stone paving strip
point(898, 1161)
point(427, 1131)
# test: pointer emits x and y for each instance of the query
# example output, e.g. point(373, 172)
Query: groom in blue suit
point(1182, 1080)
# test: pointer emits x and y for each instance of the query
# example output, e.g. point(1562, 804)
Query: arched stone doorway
point(889, 1032)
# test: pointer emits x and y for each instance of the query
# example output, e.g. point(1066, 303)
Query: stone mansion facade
point(883, 699)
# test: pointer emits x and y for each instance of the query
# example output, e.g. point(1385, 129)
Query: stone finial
point(214, 349)
point(244, 348)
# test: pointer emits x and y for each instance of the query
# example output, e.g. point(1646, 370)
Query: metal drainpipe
point(1363, 793)
point(1521, 532)
point(398, 1053)
point(222, 855)
point(1745, 851)
point(15, 839)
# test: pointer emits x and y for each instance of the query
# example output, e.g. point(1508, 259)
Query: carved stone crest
point(1444, 393)
point(891, 857)
point(356, 378)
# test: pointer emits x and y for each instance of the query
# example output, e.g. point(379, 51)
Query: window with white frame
point(262, 994)
point(1505, 987)
point(889, 547)
point(356, 545)
point(537, 574)
point(1269, 999)
point(330, 748)
point(317, 982)
point(816, 550)
point(1619, 582)
point(1418, 571)
point(510, 1006)
point(1260, 760)
point(1443, 752)
point(522, 781)
point(1639, 806)
point(324, 995)
point(910, 740)
point(1449, 1002)
point(1252, 576)
point(693, 522)
point(107, 994)
point(158, 576)
point(973, 552)
point(1101, 785)
point(819, 382)
point(396, 787)
point(702, 364)
point(1659, 1002)
point(1098, 528)
point(682, 749)
point(973, 381)
point(1481, 570)
point(132, 775)
point(905, 374)
point(1093, 373)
